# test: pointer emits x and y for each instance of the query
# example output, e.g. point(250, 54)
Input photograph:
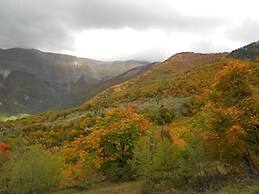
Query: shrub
point(33, 170)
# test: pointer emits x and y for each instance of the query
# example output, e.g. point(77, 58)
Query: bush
point(161, 163)
point(33, 170)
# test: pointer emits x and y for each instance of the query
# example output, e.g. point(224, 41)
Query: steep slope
point(248, 52)
point(33, 81)
point(182, 75)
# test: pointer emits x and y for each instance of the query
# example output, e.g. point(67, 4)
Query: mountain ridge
point(248, 52)
point(63, 78)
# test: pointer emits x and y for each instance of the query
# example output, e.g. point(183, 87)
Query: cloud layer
point(57, 25)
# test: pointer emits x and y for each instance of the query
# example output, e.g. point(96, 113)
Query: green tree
point(165, 160)
point(33, 170)
point(143, 155)
point(118, 144)
point(161, 163)
point(164, 116)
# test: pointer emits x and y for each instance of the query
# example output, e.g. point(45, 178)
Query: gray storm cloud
point(51, 24)
point(246, 31)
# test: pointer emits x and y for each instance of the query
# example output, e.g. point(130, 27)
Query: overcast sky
point(150, 30)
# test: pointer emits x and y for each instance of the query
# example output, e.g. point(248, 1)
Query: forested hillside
point(248, 52)
point(188, 125)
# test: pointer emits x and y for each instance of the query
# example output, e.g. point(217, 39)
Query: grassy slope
point(120, 188)
point(135, 188)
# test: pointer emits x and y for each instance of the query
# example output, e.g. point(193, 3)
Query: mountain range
point(32, 81)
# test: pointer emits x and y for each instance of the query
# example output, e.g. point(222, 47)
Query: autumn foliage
point(230, 117)
point(4, 147)
point(211, 135)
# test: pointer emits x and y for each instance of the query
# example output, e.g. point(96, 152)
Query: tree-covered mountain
point(32, 81)
point(187, 125)
point(248, 52)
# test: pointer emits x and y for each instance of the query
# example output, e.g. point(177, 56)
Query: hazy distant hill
point(32, 81)
point(248, 52)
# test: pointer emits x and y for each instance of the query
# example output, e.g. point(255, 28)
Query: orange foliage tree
point(109, 143)
point(230, 119)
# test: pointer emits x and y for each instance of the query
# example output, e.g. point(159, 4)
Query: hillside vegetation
point(248, 52)
point(188, 125)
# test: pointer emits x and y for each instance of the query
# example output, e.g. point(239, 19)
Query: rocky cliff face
point(32, 81)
